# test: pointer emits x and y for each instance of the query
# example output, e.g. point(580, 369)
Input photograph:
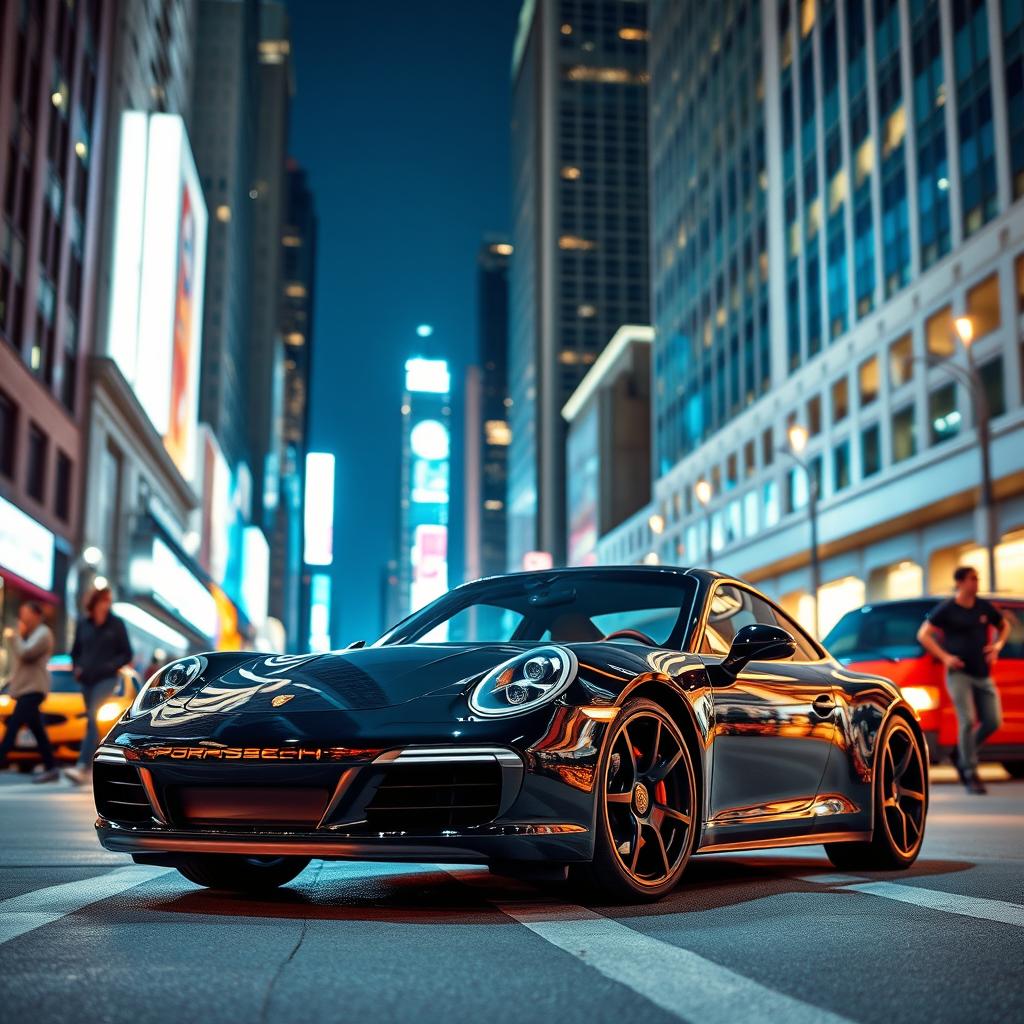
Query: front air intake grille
point(119, 793)
point(429, 798)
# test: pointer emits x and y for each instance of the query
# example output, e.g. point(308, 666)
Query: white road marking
point(949, 902)
point(675, 979)
point(31, 910)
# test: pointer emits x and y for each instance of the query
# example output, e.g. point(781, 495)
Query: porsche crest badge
point(281, 698)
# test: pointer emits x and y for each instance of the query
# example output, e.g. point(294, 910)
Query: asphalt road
point(86, 936)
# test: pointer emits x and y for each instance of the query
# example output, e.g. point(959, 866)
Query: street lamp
point(702, 492)
point(963, 328)
point(798, 437)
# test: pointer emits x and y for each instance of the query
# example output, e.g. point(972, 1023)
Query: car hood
point(357, 680)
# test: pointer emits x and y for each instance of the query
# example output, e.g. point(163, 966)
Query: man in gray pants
point(968, 651)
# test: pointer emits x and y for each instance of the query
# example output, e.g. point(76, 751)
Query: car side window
point(1014, 648)
point(733, 607)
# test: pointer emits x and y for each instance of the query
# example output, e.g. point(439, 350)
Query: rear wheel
point(236, 873)
point(648, 812)
point(901, 804)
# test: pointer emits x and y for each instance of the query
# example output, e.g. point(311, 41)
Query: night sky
point(401, 116)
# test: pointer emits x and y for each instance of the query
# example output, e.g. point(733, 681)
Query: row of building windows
point(38, 468)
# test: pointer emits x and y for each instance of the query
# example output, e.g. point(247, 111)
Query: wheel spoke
point(665, 769)
point(619, 798)
point(899, 770)
point(655, 745)
point(635, 851)
point(663, 851)
point(890, 801)
point(629, 748)
point(903, 818)
point(911, 794)
point(671, 812)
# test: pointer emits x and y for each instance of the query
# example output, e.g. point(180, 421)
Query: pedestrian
point(31, 647)
point(100, 650)
point(968, 651)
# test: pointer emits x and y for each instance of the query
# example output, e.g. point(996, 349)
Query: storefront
point(29, 569)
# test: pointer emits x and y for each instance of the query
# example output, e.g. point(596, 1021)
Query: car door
point(774, 722)
point(1009, 677)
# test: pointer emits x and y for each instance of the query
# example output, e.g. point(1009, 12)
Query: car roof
point(602, 570)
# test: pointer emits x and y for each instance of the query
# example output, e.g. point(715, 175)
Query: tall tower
point(579, 153)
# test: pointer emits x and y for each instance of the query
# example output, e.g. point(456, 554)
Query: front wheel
point(647, 806)
point(901, 805)
point(236, 873)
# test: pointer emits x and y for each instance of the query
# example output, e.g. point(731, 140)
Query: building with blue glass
point(836, 209)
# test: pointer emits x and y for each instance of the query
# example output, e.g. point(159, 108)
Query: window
point(841, 466)
point(8, 435)
point(992, 381)
point(983, 306)
point(35, 482)
point(767, 448)
point(1019, 268)
point(732, 608)
point(749, 459)
point(840, 400)
point(62, 487)
point(943, 414)
point(938, 332)
point(901, 366)
point(868, 377)
point(814, 416)
point(904, 436)
point(870, 450)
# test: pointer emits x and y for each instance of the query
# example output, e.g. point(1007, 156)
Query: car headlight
point(168, 681)
point(524, 682)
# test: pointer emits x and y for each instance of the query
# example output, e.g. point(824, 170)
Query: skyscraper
point(839, 242)
point(579, 153)
point(224, 134)
point(487, 433)
point(298, 269)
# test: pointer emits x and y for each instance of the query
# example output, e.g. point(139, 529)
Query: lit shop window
point(983, 306)
point(901, 365)
point(837, 598)
point(938, 332)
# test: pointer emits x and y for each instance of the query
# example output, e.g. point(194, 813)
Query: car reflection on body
point(605, 723)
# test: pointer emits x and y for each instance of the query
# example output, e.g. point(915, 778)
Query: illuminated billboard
point(318, 515)
point(429, 564)
point(428, 376)
point(159, 267)
point(320, 612)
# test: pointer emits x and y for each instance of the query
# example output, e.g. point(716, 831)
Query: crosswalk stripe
point(673, 978)
point(949, 902)
point(31, 910)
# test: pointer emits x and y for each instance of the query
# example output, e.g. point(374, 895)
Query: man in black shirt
point(968, 651)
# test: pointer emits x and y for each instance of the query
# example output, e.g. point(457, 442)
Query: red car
point(881, 638)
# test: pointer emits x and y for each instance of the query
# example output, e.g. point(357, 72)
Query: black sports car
point(606, 721)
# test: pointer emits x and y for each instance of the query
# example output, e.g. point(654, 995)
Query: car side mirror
point(758, 642)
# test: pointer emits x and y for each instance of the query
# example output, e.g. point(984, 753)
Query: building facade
point(608, 448)
point(487, 435)
point(425, 484)
point(834, 183)
point(580, 231)
point(288, 596)
point(55, 69)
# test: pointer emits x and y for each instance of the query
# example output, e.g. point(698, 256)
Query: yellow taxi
point(64, 714)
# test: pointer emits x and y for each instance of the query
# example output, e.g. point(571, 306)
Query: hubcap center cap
point(641, 798)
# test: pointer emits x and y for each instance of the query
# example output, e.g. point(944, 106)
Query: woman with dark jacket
point(100, 650)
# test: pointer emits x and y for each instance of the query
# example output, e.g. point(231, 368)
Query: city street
point(86, 935)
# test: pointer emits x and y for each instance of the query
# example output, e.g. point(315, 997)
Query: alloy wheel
point(649, 798)
point(903, 789)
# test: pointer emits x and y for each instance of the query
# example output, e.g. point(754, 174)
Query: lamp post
point(702, 492)
point(963, 329)
point(965, 332)
point(798, 437)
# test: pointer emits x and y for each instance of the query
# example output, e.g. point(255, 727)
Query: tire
point(900, 806)
point(648, 812)
point(1015, 769)
point(235, 873)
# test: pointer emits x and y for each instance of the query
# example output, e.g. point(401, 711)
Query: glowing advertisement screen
point(156, 296)
point(429, 564)
point(319, 510)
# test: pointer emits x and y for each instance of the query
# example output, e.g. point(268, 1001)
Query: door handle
point(823, 705)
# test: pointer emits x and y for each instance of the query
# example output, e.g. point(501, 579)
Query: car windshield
point(62, 681)
point(563, 608)
point(885, 632)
